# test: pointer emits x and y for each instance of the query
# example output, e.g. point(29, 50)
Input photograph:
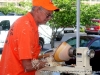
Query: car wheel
point(58, 39)
point(41, 44)
point(65, 31)
point(72, 31)
point(87, 33)
point(99, 32)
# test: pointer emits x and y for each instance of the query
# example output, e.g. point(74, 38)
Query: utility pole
point(78, 24)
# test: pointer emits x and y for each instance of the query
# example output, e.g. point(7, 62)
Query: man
point(21, 49)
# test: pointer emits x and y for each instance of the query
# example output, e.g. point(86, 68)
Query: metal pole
point(78, 24)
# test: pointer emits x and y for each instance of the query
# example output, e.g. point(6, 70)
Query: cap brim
point(57, 9)
point(51, 7)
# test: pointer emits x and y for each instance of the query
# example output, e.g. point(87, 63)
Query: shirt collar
point(31, 19)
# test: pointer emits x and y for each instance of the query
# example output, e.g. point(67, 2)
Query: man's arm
point(29, 66)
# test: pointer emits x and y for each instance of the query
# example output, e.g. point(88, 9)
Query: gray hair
point(36, 6)
point(33, 7)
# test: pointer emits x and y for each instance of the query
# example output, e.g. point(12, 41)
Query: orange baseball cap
point(47, 4)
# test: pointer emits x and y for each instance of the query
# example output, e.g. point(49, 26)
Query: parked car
point(95, 28)
point(5, 23)
point(45, 32)
point(90, 41)
point(14, 14)
point(2, 14)
point(69, 30)
point(59, 34)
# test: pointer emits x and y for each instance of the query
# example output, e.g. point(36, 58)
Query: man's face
point(44, 15)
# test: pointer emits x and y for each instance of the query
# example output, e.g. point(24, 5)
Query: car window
point(72, 42)
point(83, 42)
point(10, 14)
point(0, 27)
point(5, 24)
point(95, 45)
point(14, 14)
point(1, 14)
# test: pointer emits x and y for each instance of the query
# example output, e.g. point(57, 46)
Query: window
point(95, 45)
point(2, 14)
point(5, 24)
point(72, 42)
point(83, 41)
point(0, 27)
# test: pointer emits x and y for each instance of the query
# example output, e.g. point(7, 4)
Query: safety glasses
point(47, 15)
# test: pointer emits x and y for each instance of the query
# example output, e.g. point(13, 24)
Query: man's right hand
point(41, 64)
point(30, 65)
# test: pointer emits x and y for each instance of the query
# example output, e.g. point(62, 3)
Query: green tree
point(63, 18)
point(27, 5)
point(10, 7)
point(89, 12)
point(66, 16)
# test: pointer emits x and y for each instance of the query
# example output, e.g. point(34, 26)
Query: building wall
point(11, 0)
point(91, 2)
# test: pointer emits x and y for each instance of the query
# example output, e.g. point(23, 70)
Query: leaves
point(66, 16)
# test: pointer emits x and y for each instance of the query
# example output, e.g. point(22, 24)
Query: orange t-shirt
point(22, 43)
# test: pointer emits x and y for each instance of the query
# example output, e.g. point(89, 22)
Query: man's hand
point(41, 64)
point(35, 64)
point(38, 64)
